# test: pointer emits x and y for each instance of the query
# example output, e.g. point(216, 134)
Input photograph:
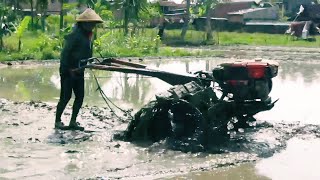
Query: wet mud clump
point(30, 117)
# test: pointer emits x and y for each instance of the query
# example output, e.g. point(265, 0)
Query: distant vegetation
point(112, 43)
point(41, 37)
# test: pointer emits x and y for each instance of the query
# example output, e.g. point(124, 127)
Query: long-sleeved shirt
point(77, 46)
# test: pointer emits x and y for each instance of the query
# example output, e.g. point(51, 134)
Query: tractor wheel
point(179, 121)
point(151, 123)
point(187, 126)
point(218, 117)
point(186, 120)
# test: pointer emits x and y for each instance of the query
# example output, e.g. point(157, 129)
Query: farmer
point(77, 46)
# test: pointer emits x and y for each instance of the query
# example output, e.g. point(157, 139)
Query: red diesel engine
point(249, 80)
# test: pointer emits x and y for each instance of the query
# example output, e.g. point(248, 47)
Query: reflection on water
point(298, 161)
point(129, 90)
point(242, 172)
point(297, 87)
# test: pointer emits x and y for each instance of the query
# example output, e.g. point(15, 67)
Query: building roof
point(167, 3)
point(222, 9)
point(244, 11)
point(171, 4)
point(52, 6)
point(276, 23)
point(240, 0)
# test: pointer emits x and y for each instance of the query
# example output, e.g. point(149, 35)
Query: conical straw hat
point(89, 16)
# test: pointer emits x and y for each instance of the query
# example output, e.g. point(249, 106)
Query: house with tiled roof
point(54, 6)
point(292, 6)
point(170, 6)
point(245, 10)
point(174, 14)
point(236, 15)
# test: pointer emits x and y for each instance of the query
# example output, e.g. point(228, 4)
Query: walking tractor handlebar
point(89, 60)
point(245, 88)
point(243, 81)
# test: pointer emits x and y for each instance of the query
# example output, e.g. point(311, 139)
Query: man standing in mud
point(77, 46)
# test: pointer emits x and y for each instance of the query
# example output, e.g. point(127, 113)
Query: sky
point(176, 1)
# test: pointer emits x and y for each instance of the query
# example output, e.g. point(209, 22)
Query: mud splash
point(31, 148)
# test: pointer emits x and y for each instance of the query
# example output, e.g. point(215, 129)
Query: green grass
point(197, 38)
point(232, 38)
point(29, 41)
point(36, 45)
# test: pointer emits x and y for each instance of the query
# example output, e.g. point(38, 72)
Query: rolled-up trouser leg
point(65, 95)
point(78, 90)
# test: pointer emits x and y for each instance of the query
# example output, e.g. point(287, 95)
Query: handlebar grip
point(88, 60)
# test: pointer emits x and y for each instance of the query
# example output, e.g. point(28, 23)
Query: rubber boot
point(75, 110)
point(74, 125)
point(58, 124)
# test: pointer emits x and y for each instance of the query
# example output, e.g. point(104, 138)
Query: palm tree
point(42, 6)
point(89, 3)
point(208, 5)
point(186, 21)
point(208, 20)
point(131, 11)
point(61, 14)
point(31, 2)
point(62, 7)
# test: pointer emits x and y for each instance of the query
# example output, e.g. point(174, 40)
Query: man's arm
point(66, 52)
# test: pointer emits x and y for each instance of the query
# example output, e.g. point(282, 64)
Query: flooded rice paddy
point(284, 145)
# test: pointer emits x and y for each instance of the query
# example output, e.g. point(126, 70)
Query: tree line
point(134, 13)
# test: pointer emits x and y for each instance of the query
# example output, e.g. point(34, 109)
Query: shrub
point(48, 53)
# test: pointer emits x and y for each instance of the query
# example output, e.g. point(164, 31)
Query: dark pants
point(69, 84)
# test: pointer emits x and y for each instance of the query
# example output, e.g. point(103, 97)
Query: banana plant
point(21, 29)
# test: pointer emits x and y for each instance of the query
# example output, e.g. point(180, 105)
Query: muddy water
point(284, 145)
